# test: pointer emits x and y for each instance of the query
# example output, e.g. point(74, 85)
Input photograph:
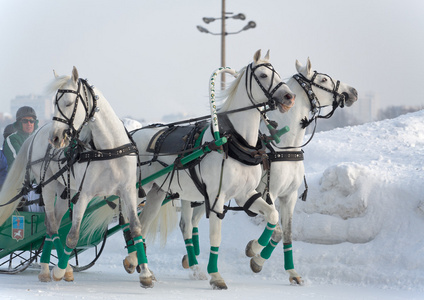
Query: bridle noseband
point(82, 84)
point(307, 84)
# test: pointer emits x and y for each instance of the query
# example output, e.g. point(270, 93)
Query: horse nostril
point(355, 92)
point(346, 96)
point(288, 96)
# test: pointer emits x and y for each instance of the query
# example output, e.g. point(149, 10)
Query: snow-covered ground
point(359, 235)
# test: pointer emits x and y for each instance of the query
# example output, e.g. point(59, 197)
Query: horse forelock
point(57, 83)
point(227, 95)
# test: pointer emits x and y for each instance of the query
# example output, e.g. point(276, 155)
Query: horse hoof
point(185, 262)
point(153, 275)
point(56, 278)
point(218, 285)
point(255, 267)
point(57, 273)
point(146, 282)
point(69, 276)
point(249, 251)
point(217, 282)
point(129, 267)
point(44, 277)
point(296, 281)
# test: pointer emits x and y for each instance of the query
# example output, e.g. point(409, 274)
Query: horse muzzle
point(286, 103)
point(59, 142)
point(351, 97)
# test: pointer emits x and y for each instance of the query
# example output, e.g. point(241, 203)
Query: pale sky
point(149, 60)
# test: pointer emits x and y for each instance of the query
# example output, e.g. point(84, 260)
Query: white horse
point(223, 178)
point(83, 119)
point(314, 91)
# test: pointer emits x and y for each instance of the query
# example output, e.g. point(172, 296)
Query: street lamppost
point(223, 33)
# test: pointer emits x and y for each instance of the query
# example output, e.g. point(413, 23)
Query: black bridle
point(268, 92)
point(306, 84)
point(72, 132)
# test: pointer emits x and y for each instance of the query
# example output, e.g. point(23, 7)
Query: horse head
point(320, 86)
point(269, 83)
point(75, 104)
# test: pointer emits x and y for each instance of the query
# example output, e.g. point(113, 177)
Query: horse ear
point(75, 74)
point(257, 56)
point(55, 74)
point(267, 55)
point(308, 65)
point(298, 66)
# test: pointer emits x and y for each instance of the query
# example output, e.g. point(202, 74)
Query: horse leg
point(287, 205)
point(72, 238)
point(186, 228)
point(154, 199)
point(215, 224)
point(52, 227)
point(257, 261)
point(271, 216)
point(198, 213)
point(130, 262)
point(189, 234)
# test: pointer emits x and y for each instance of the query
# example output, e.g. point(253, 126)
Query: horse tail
point(165, 222)
point(13, 183)
point(98, 220)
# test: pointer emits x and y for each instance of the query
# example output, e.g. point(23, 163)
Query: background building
point(43, 106)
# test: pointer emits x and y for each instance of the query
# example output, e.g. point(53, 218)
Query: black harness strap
point(107, 154)
point(286, 156)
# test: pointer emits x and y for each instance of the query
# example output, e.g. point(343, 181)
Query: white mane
point(57, 83)
point(227, 95)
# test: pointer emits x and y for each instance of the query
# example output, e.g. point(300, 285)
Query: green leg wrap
point(63, 261)
point(288, 257)
point(47, 250)
point(195, 237)
point(266, 235)
point(141, 254)
point(58, 245)
point(128, 239)
point(213, 260)
point(190, 252)
point(267, 251)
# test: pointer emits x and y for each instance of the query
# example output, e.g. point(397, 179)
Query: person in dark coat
point(26, 123)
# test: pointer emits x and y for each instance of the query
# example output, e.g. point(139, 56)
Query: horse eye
point(324, 80)
point(263, 75)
